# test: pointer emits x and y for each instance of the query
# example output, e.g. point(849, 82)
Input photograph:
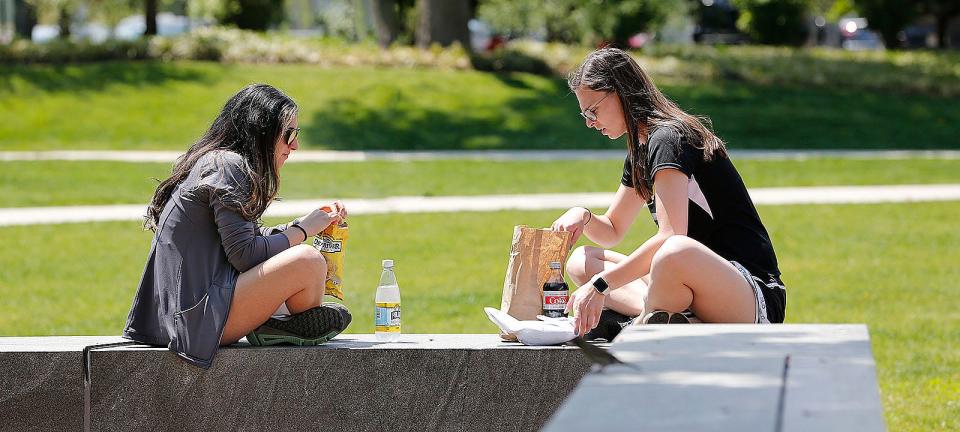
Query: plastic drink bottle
point(555, 293)
point(387, 308)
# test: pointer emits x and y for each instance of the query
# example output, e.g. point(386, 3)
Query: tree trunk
point(25, 17)
point(943, 11)
point(386, 21)
point(150, 16)
point(941, 31)
point(890, 40)
point(443, 22)
point(64, 22)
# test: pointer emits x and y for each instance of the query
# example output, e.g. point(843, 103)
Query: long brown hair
point(644, 108)
point(249, 124)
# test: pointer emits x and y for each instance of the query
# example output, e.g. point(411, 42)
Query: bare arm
point(610, 228)
point(670, 190)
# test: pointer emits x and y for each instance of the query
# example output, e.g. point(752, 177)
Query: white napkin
point(546, 331)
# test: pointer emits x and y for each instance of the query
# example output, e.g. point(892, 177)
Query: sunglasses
point(590, 113)
point(292, 134)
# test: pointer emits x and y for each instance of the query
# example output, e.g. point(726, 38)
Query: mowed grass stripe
point(60, 183)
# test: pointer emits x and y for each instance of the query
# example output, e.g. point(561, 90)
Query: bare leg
point(296, 276)
point(587, 261)
point(687, 274)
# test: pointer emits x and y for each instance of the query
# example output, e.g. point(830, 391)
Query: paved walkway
point(488, 155)
point(411, 204)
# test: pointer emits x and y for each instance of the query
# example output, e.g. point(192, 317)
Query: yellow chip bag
point(330, 242)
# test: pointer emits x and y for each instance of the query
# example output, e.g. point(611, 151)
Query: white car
point(168, 24)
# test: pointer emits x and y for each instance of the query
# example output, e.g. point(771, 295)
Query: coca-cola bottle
point(555, 293)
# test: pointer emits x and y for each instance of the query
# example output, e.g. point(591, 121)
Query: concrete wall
point(424, 382)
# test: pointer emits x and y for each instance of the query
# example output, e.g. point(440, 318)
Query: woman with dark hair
point(213, 275)
point(711, 257)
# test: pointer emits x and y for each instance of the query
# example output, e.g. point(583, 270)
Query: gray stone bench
point(425, 382)
point(686, 378)
point(731, 378)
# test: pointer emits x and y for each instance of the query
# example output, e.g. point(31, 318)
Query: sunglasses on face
point(590, 113)
point(292, 134)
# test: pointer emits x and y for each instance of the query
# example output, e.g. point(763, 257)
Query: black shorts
point(771, 296)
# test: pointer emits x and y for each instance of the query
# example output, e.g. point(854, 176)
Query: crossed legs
point(296, 276)
point(684, 274)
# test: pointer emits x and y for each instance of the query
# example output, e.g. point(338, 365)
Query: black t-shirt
point(721, 214)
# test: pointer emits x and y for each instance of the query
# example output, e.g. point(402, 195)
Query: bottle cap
point(387, 263)
point(555, 265)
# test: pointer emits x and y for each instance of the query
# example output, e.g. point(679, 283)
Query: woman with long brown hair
point(213, 274)
point(711, 256)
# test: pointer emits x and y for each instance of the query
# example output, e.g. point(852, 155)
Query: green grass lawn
point(154, 105)
point(890, 266)
point(49, 183)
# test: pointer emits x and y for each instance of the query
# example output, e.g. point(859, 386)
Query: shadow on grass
point(780, 117)
point(746, 116)
point(916, 72)
point(532, 118)
point(99, 76)
point(506, 60)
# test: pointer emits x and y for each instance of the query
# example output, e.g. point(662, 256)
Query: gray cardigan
point(198, 252)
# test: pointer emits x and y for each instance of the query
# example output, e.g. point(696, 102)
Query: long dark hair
point(644, 106)
point(249, 125)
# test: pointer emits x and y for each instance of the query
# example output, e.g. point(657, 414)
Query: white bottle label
point(388, 317)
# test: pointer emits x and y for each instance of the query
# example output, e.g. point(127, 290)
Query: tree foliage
point(774, 22)
point(578, 21)
point(888, 17)
point(251, 14)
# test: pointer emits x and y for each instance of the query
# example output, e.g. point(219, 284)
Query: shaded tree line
point(426, 22)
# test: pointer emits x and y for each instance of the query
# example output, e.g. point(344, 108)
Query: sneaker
point(664, 317)
point(310, 327)
point(610, 325)
point(678, 318)
point(656, 317)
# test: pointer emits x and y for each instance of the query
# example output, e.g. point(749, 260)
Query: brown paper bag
point(531, 252)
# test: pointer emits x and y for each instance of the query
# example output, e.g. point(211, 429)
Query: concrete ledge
point(731, 377)
point(41, 387)
point(424, 382)
point(690, 378)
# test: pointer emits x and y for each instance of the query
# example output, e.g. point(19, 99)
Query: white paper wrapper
point(544, 331)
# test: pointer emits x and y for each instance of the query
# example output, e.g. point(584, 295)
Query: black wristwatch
point(600, 285)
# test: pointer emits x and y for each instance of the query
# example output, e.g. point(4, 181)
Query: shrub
point(774, 22)
point(510, 60)
point(59, 51)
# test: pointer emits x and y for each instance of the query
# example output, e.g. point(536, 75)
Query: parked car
point(168, 24)
point(855, 36)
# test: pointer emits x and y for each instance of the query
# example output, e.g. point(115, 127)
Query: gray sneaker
point(678, 318)
point(655, 317)
point(663, 317)
point(310, 327)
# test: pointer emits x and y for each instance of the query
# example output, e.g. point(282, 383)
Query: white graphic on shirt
point(696, 195)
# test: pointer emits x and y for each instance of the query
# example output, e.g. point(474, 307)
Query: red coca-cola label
point(555, 300)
